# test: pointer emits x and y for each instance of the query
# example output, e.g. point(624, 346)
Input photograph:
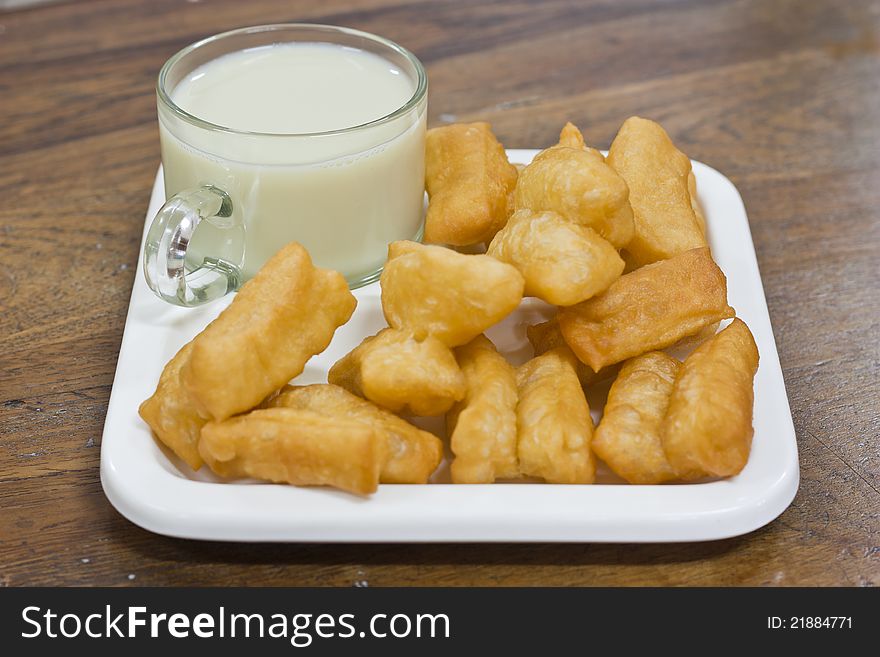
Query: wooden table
point(783, 97)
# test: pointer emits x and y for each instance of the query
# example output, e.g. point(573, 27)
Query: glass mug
point(235, 197)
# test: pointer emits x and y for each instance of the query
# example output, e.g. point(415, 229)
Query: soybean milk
point(343, 196)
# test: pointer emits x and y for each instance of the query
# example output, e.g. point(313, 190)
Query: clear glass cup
point(236, 197)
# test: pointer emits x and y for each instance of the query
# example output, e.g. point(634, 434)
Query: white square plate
point(153, 489)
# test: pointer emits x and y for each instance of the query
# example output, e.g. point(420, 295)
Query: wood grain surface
point(782, 97)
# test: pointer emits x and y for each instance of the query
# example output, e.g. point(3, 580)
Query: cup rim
point(419, 93)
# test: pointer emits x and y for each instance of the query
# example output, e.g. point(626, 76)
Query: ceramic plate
point(155, 490)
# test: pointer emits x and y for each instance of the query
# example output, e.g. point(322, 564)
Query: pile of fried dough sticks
point(617, 243)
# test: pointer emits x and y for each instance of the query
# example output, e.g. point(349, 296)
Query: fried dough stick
point(574, 181)
point(708, 427)
point(628, 436)
point(278, 320)
point(483, 425)
point(468, 179)
point(434, 291)
point(662, 192)
point(648, 309)
point(398, 372)
point(563, 263)
point(296, 447)
point(413, 454)
point(553, 421)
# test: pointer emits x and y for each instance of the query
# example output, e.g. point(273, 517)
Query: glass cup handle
point(167, 271)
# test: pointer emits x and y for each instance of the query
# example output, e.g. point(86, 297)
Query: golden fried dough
point(171, 412)
point(413, 454)
point(553, 421)
point(296, 447)
point(483, 425)
point(628, 436)
point(402, 373)
point(405, 247)
point(279, 319)
point(431, 290)
point(648, 309)
point(578, 185)
point(468, 179)
point(657, 175)
point(571, 137)
point(562, 263)
point(708, 427)
point(546, 336)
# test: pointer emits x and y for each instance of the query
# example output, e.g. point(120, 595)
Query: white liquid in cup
point(343, 196)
